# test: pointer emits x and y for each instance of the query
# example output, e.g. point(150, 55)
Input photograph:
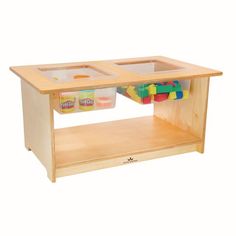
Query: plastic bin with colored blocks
point(156, 92)
point(85, 100)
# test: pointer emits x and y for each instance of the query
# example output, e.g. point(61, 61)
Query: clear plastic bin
point(156, 92)
point(85, 100)
point(147, 66)
point(68, 74)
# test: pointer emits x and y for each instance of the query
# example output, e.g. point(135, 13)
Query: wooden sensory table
point(175, 127)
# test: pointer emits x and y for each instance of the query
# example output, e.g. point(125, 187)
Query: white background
point(189, 194)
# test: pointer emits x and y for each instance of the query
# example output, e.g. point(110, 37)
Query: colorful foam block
point(126, 94)
point(177, 88)
point(172, 96)
point(171, 83)
point(147, 100)
point(152, 89)
point(131, 91)
point(121, 90)
point(142, 92)
point(155, 92)
point(179, 95)
point(142, 86)
point(185, 94)
point(161, 97)
point(176, 82)
point(163, 88)
point(137, 99)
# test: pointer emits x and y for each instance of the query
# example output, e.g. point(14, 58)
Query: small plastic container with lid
point(105, 98)
point(85, 100)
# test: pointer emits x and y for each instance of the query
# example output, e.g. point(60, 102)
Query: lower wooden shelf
point(95, 146)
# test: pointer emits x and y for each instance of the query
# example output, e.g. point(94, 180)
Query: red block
point(127, 95)
point(147, 100)
point(171, 83)
point(160, 97)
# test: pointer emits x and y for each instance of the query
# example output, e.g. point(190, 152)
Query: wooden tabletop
point(113, 73)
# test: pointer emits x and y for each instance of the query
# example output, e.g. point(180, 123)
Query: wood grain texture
point(176, 126)
point(123, 160)
point(116, 76)
point(113, 139)
point(190, 114)
point(38, 126)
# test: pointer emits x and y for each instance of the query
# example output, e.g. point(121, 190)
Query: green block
point(138, 86)
point(142, 92)
point(164, 88)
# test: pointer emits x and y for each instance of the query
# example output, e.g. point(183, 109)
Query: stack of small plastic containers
point(87, 100)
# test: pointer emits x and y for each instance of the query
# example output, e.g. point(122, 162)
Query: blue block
point(179, 94)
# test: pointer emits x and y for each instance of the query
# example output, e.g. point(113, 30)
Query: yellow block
point(152, 89)
point(172, 95)
point(185, 94)
point(137, 99)
point(131, 91)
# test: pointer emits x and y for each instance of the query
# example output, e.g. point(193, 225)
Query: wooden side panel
point(190, 114)
point(38, 126)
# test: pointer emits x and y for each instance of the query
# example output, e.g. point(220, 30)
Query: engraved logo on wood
point(130, 160)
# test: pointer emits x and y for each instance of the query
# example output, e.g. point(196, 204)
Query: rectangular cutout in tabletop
point(112, 73)
point(147, 67)
point(66, 74)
